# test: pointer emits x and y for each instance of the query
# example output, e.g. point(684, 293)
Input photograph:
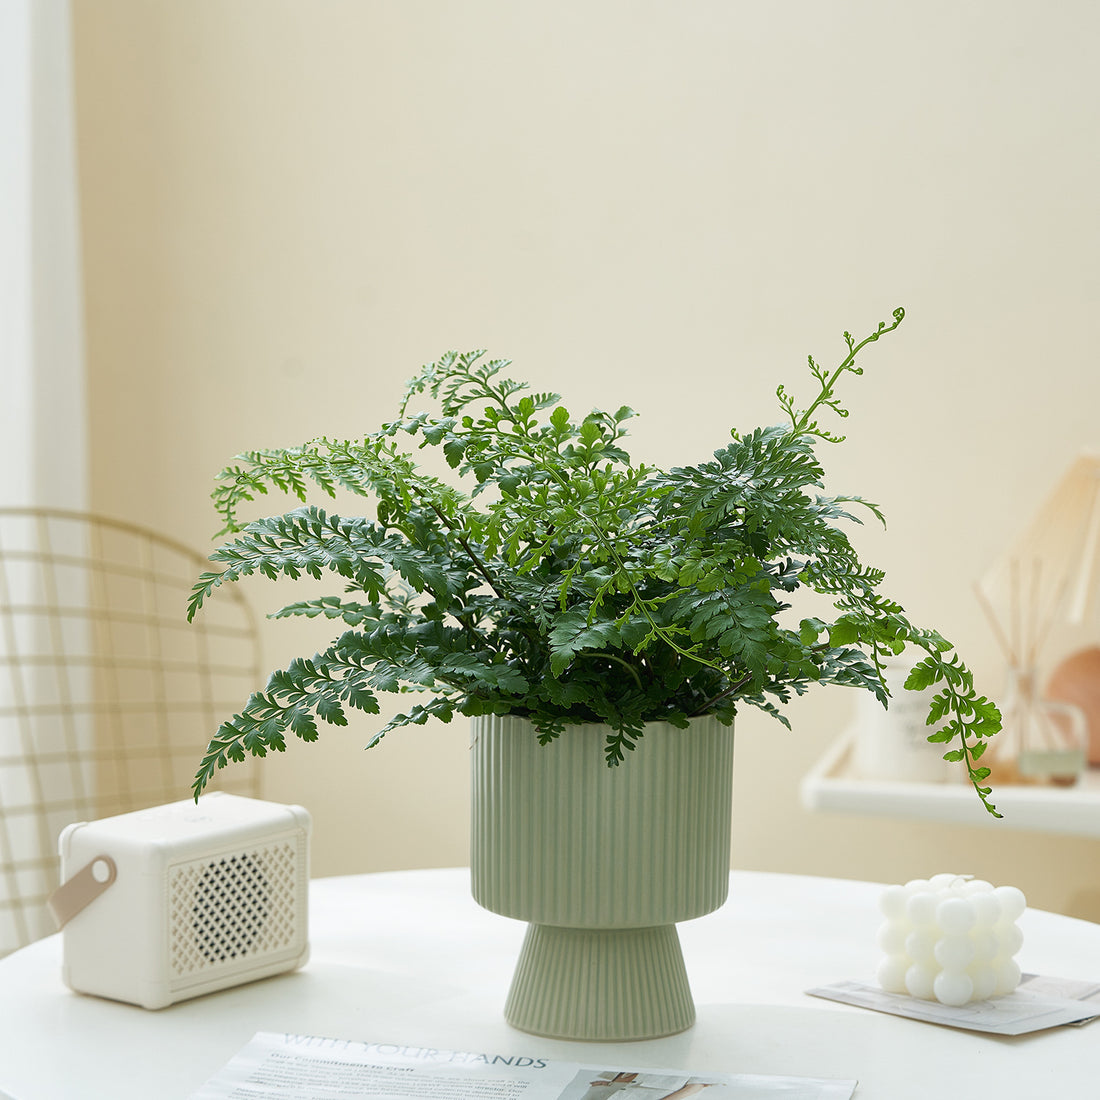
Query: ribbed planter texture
point(602, 862)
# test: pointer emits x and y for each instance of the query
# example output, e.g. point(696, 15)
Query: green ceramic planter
point(602, 862)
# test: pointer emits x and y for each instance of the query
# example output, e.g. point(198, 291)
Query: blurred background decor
point(890, 743)
point(1036, 593)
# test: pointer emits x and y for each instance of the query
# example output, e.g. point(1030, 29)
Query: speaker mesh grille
point(232, 908)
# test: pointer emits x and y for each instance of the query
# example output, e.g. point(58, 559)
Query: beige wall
point(289, 206)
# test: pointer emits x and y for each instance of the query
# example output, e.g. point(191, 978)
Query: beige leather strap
point(82, 889)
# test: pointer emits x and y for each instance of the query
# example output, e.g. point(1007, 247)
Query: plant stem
point(733, 689)
point(467, 547)
point(803, 422)
point(603, 656)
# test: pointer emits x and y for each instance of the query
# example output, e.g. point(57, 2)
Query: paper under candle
point(950, 938)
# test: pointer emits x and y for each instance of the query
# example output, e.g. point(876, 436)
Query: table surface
point(408, 957)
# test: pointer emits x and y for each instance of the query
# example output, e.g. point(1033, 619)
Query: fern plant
point(566, 583)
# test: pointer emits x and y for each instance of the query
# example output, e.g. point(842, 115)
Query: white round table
point(408, 958)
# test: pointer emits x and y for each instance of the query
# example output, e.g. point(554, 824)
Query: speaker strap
point(72, 896)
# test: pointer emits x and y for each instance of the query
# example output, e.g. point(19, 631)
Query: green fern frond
point(566, 583)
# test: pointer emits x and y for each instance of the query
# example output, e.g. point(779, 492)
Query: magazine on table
point(275, 1066)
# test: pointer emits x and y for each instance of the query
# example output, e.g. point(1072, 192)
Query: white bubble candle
point(950, 938)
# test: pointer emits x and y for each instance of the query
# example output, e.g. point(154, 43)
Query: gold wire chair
point(108, 695)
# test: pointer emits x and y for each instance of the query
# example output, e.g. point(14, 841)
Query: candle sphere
point(892, 902)
point(984, 980)
point(920, 945)
point(919, 981)
point(1009, 939)
point(891, 938)
point(987, 908)
point(954, 952)
point(1008, 977)
point(921, 908)
point(956, 916)
point(943, 881)
point(891, 973)
point(985, 943)
point(977, 886)
point(953, 987)
point(1013, 902)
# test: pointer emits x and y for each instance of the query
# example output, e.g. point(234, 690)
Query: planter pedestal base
point(600, 984)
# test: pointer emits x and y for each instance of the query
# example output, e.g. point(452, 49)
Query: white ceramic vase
point(602, 862)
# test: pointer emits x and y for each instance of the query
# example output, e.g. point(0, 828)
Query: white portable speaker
point(172, 902)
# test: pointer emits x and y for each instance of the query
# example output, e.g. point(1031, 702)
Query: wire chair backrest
point(108, 695)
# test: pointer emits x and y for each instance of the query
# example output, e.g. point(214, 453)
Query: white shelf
point(831, 787)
